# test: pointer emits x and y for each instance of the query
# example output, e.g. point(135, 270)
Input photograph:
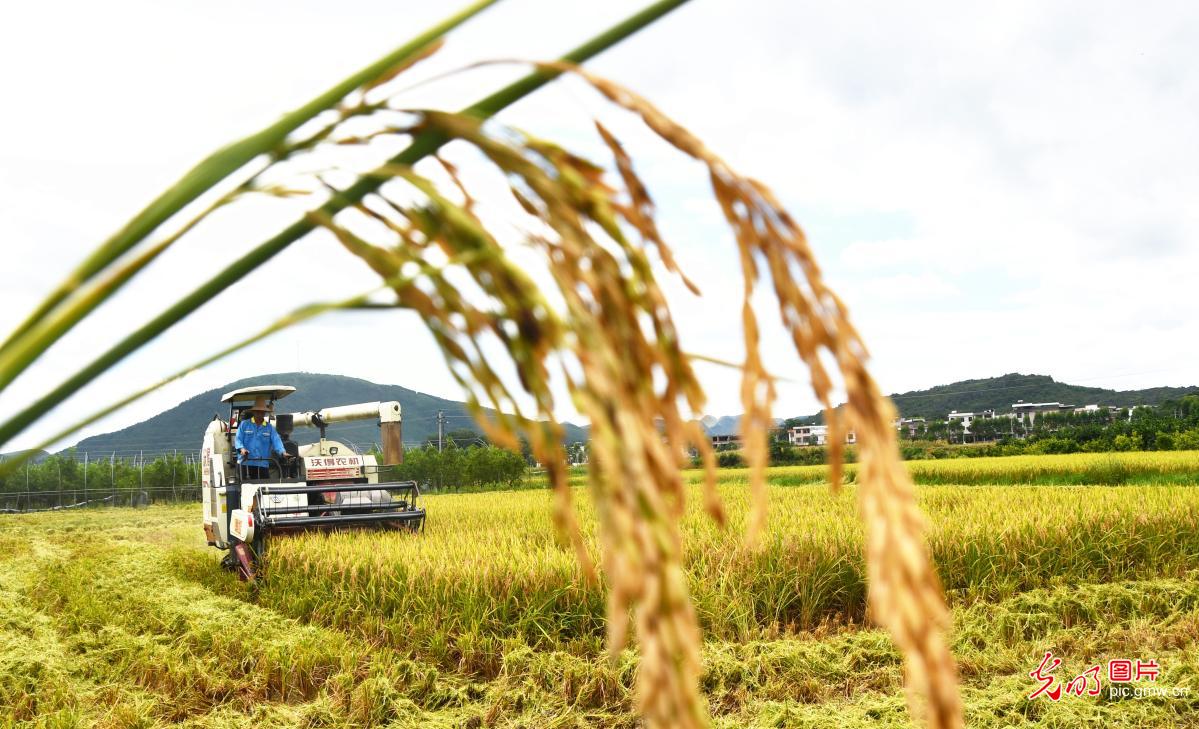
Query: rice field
point(122, 618)
point(1108, 469)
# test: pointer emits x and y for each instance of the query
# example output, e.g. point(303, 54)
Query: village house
point(1112, 410)
point(815, 435)
point(967, 418)
point(1028, 411)
point(910, 427)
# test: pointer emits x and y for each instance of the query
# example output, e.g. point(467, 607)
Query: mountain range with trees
point(181, 426)
point(999, 393)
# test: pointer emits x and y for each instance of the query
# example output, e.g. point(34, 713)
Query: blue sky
point(992, 188)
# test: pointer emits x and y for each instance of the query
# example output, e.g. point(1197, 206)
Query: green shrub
point(730, 459)
point(1187, 440)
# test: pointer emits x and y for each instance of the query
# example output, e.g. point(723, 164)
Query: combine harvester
point(322, 485)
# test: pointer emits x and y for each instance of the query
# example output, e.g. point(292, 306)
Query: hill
point(999, 393)
point(725, 424)
point(181, 426)
point(37, 457)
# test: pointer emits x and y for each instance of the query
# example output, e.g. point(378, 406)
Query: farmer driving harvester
point(327, 484)
point(256, 441)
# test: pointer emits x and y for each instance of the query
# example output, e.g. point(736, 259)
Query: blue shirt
point(259, 440)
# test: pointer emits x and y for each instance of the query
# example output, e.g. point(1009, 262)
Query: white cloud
point(1039, 156)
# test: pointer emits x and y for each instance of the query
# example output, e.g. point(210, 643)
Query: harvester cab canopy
point(271, 392)
point(242, 398)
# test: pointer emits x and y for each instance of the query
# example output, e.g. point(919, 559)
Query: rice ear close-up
point(593, 322)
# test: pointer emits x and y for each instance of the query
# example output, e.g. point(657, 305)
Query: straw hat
point(260, 405)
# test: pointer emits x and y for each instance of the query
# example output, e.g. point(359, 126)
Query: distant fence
point(20, 502)
point(76, 480)
point(73, 479)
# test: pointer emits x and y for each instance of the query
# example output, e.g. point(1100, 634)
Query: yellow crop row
point(489, 569)
point(1153, 467)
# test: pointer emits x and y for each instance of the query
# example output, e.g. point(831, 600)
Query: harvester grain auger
point(322, 485)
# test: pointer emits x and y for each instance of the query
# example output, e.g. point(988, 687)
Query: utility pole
point(440, 428)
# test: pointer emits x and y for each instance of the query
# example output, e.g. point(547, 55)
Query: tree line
point(476, 466)
point(1170, 425)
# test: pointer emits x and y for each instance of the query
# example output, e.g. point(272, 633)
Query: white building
point(805, 435)
point(967, 418)
point(815, 435)
point(1028, 411)
point(964, 418)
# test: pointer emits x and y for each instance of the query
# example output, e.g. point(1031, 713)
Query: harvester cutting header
point(257, 481)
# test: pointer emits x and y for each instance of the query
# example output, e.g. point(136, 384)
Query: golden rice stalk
point(613, 339)
point(905, 595)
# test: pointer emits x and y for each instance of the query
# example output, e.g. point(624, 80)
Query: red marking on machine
point(323, 468)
